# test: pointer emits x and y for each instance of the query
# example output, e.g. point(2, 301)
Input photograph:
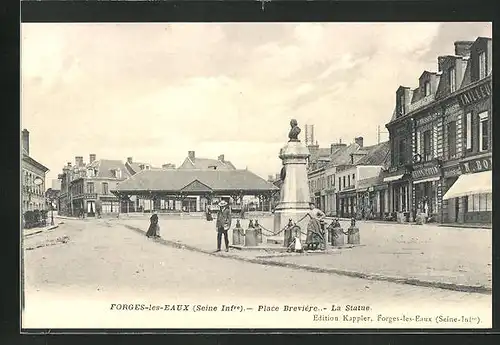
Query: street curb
point(43, 230)
point(353, 274)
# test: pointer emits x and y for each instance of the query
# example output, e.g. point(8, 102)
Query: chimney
point(191, 155)
point(221, 158)
point(129, 160)
point(26, 141)
point(335, 146)
point(92, 157)
point(78, 161)
point(359, 141)
point(462, 48)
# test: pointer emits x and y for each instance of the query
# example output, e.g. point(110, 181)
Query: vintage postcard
point(251, 175)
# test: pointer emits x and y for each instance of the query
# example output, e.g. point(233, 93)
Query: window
point(453, 79)
point(401, 104)
point(343, 180)
point(483, 131)
point(479, 203)
point(348, 180)
point(417, 142)
point(105, 188)
point(427, 145)
point(353, 178)
point(482, 65)
point(452, 139)
point(90, 187)
point(340, 184)
point(427, 88)
point(402, 152)
point(468, 131)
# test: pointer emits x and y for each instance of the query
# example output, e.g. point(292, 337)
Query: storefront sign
point(452, 172)
point(427, 119)
point(475, 94)
point(476, 165)
point(427, 169)
point(452, 109)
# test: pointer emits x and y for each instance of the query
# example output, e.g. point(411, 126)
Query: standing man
point(223, 224)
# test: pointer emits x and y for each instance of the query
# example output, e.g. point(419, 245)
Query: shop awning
point(429, 179)
point(470, 184)
point(393, 178)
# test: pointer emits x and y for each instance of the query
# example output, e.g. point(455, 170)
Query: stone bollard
point(258, 231)
point(420, 219)
point(238, 234)
point(337, 235)
point(353, 233)
point(250, 235)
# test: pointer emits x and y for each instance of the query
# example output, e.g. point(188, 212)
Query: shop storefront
point(474, 185)
point(452, 209)
point(372, 194)
point(427, 190)
point(348, 203)
point(399, 187)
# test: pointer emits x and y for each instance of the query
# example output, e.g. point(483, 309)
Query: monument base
point(281, 218)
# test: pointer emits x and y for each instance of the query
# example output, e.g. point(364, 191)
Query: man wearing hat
point(223, 224)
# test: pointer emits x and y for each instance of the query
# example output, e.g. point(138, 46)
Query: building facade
point(435, 130)
point(33, 194)
point(86, 188)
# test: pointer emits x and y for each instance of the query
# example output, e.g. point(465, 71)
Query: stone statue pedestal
point(294, 197)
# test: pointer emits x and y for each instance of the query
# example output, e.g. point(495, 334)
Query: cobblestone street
point(102, 260)
point(429, 252)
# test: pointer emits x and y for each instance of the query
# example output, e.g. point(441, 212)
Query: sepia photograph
point(256, 175)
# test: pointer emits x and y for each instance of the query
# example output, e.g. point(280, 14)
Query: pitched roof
point(105, 168)
point(376, 154)
point(35, 163)
point(177, 180)
point(343, 155)
point(207, 163)
point(135, 167)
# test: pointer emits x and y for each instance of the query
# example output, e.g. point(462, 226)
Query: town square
point(264, 176)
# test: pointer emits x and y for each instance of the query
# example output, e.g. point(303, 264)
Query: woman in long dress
point(154, 227)
point(315, 236)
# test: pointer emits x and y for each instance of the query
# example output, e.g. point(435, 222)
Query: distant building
point(193, 190)
point(33, 196)
point(87, 187)
point(193, 162)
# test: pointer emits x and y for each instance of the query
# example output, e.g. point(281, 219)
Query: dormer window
point(118, 173)
point(147, 167)
point(427, 88)
point(482, 65)
point(452, 76)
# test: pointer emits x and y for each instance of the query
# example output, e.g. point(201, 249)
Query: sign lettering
point(427, 119)
point(453, 109)
point(425, 172)
point(452, 172)
point(476, 165)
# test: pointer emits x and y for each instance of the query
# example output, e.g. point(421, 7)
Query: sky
point(156, 91)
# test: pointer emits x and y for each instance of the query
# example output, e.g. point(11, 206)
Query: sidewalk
point(34, 231)
point(427, 255)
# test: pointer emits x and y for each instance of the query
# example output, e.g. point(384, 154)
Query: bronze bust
point(294, 131)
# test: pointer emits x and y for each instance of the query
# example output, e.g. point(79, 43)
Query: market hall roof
point(195, 181)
